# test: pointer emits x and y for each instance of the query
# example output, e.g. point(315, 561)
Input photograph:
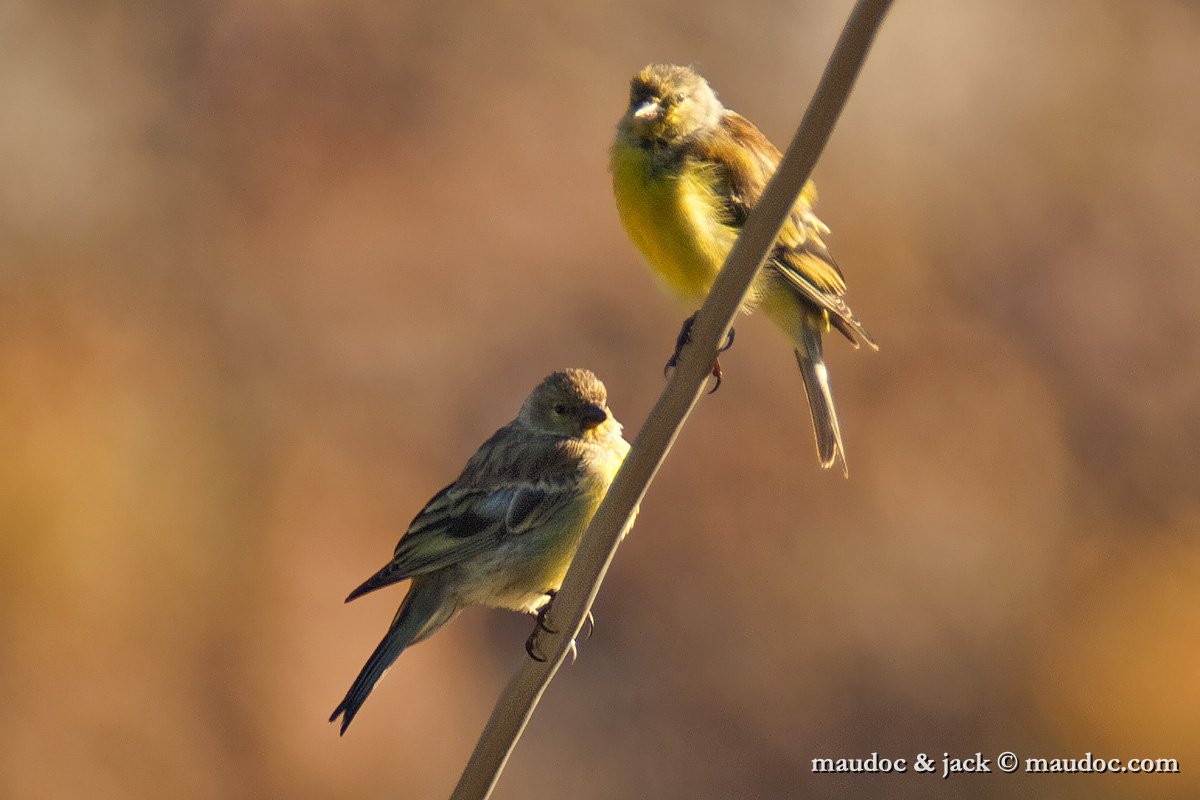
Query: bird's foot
point(544, 610)
point(682, 340)
point(531, 647)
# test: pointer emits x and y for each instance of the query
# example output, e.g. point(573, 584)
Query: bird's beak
point(649, 110)
point(592, 415)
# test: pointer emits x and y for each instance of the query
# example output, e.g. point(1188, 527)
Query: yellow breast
point(673, 217)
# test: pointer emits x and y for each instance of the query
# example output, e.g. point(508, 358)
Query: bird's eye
point(560, 409)
point(679, 97)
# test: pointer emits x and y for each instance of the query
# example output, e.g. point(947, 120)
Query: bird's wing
point(750, 160)
point(490, 502)
point(455, 524)
point(801, 257)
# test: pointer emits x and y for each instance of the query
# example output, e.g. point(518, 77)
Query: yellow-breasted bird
point(686, 172)
point(504, 533)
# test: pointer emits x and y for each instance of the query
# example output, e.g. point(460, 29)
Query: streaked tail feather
point(820, 399)
point(423, 611)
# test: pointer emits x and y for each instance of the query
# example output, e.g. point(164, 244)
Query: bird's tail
point(820, 398)
point(424, 610)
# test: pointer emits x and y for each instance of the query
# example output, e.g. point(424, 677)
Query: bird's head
point(571, 402)
point(669, 103)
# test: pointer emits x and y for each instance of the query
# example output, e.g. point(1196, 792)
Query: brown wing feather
point(751, 162)
point(801, 258)
point(503, 491)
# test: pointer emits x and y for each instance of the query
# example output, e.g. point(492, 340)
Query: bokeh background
point(270, 271)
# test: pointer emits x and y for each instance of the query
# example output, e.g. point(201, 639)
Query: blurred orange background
point(270, 271)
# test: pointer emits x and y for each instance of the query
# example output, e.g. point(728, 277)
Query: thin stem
point(519, 699)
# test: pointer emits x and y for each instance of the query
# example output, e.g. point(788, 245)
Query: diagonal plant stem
point(519, 699)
